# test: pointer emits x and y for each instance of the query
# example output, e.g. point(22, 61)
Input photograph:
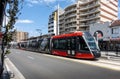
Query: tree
point(12, 12)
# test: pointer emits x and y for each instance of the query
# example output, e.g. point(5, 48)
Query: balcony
point(69, 11)
point(89, 12)
point(50, 25)
point(61, 17)
point(90, 6)
point(90, 18)
point(70, 16)
point(85, 2)
point(83, 25)
point(70, 21)
point(50, 30)
point(71, 26)
point(61, 23)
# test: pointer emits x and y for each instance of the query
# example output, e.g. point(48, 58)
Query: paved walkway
point(111, 55)
point(5, 74)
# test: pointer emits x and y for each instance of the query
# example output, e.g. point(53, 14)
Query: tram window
point(82, 45)
point(71, 45)
point(62, 44)
point(39, 42)
point(59, 44)
point(55, 44)
point(44, 44)
point(68, 44)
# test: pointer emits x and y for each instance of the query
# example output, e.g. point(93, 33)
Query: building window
point(115, 30)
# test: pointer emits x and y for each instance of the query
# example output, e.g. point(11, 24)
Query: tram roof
point(78, 33)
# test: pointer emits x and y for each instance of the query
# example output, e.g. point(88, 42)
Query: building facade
point(93, 11)
point(108, 34)
point(115, 35)
point(20, 36)
point(115, 30)
point(53, 22)
point(102, 29)
point(102, 33)
point(79, 16)
point(70, 21)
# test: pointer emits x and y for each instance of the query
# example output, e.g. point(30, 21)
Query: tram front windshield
point(90, 40)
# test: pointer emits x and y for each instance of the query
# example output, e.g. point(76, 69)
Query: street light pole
point(96, 37)
point(39, 31)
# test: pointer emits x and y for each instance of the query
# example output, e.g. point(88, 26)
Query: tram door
point(71, 46)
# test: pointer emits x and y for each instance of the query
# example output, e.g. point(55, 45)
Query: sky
point(35, 14)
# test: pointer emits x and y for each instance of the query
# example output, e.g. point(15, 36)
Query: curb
point(12, 70)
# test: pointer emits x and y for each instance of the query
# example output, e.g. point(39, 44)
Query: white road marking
point(30, 57)
point(17, 52)
point(99, 63)
point(12, 68)
point(109, 62)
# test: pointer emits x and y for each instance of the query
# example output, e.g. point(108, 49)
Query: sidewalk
point(110, 55)
point(5, 74)
point(10, 71)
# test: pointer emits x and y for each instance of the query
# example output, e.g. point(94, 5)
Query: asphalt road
point(40, 66)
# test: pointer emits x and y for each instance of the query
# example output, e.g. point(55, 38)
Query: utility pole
point(96, 35)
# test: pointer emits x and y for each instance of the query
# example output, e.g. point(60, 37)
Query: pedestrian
point(116, 47)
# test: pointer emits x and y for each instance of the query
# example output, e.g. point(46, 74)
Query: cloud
point(73, 1)
point(25, 21)
point(36, 2)
point(49, 1)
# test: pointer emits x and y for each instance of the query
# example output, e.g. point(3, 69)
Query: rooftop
point(115, 23)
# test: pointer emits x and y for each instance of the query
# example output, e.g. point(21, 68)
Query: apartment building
point(93, 11)
point(61, 23)
point(53, 22)
point(20, 36)
point(79, 16)
point(70, 18)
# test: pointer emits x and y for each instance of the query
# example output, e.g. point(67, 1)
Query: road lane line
point(12, 68)
point(30, 57)
point(93, 63)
